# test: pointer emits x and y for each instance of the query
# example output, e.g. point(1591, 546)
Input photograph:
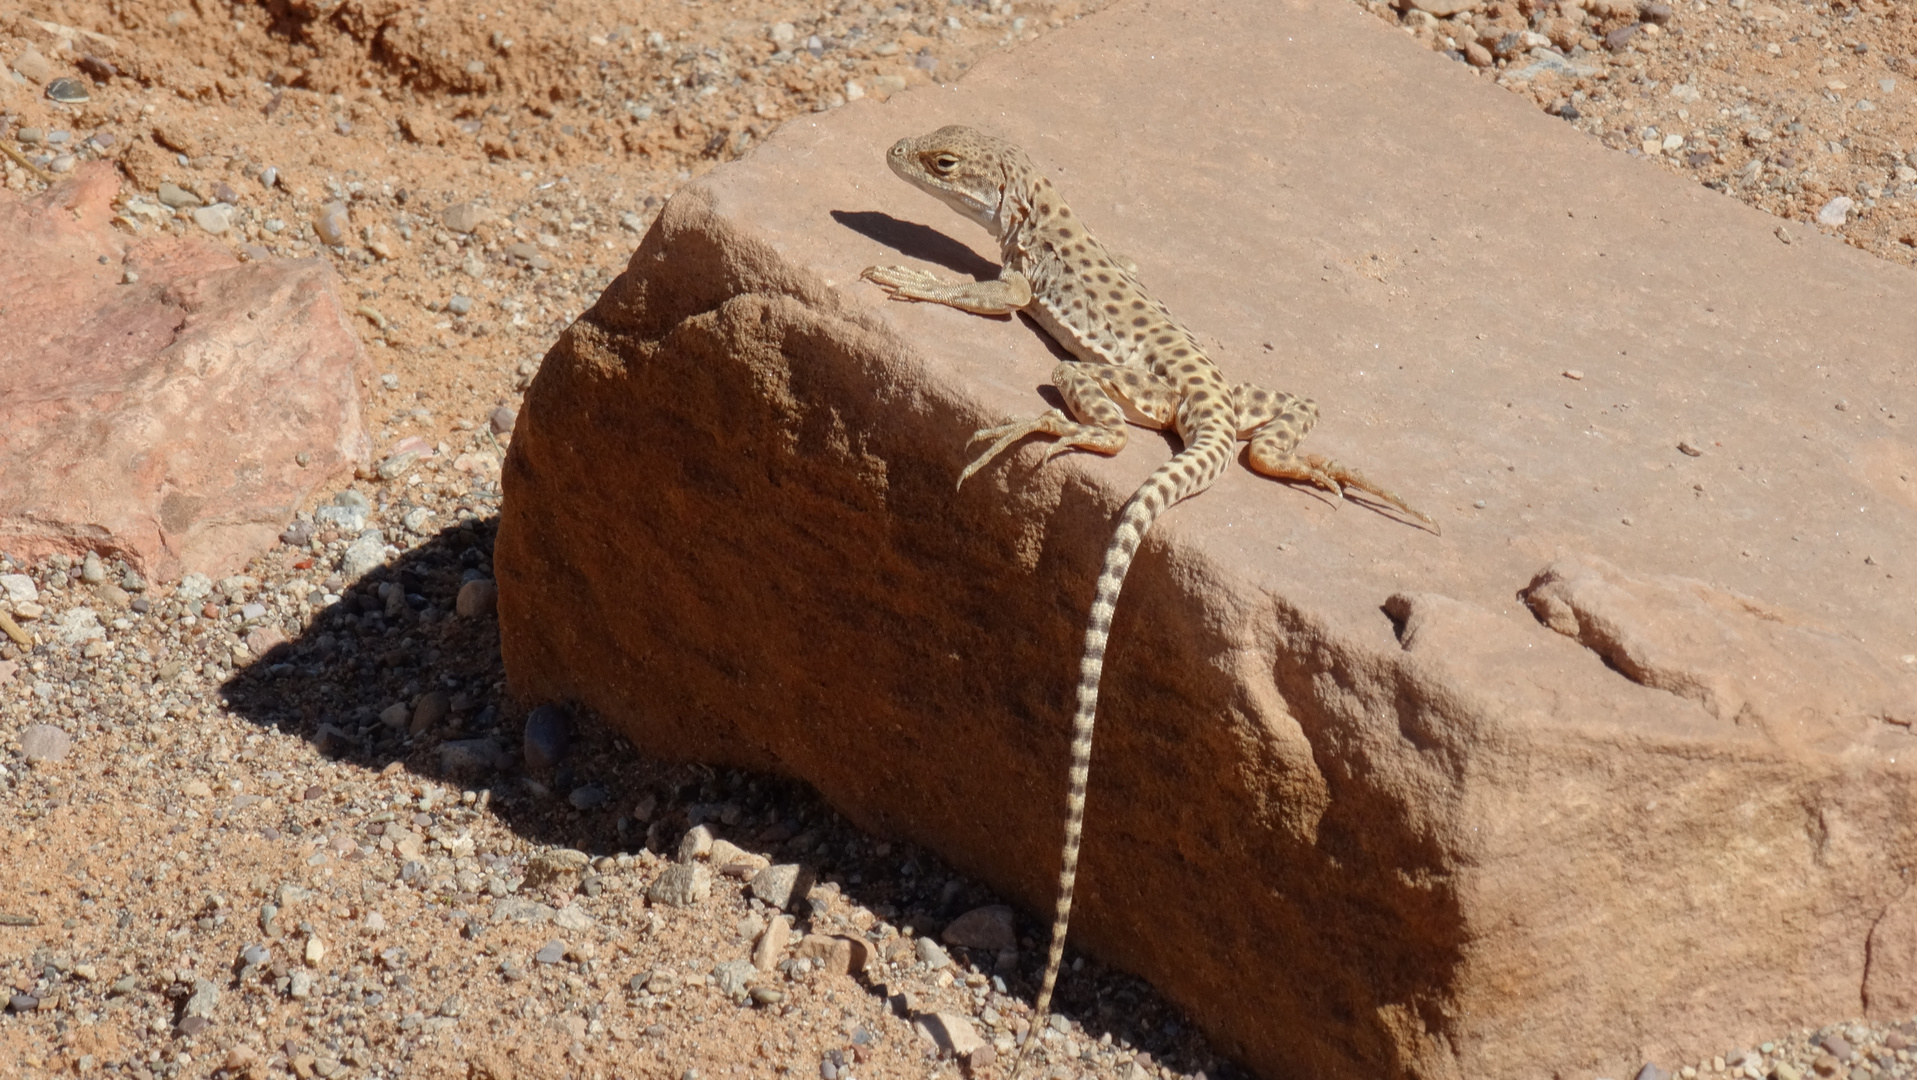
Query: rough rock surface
point(161, 419)
point(1353, 803)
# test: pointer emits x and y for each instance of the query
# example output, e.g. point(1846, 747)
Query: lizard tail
point(1190, 471)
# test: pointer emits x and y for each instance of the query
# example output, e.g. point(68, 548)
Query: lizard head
point(971, 172)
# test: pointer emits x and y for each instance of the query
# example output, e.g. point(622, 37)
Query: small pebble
point(45, 743)
point(460, 305)
point(548, 735)
point(215, 219)
point(332, 224)
point(33, 65)
point(733, 977)
point(502, 420)
point(930, 954)
point(552, 952)
point(463, 217)
point(177, 197)
point(778, 885)
point(433, 708)
point(681, 885)
point(477, 598)
point(68, 91)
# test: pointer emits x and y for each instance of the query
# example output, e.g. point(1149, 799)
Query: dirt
point(1786, 106)
point(225, 789)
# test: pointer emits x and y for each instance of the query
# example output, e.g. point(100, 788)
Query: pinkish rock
point(161, 421)
point(1742, 660)
point(1890, 975)
point(1357, 807)
point(264, 639)
point(44, 742)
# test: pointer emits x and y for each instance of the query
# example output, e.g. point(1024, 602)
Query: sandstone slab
point(163, 420)
point(1357, 803)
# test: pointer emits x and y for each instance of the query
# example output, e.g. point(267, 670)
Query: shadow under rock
point(391, 673)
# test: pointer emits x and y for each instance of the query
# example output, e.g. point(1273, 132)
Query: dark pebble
point(193, 1025)
point(21, 1003)
point(548, 735)
point(99, 67)
point(68, 91)
point(1619, 38)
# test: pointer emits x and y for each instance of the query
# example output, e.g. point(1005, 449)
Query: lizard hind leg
point(1100, 426)
point(1276, 422)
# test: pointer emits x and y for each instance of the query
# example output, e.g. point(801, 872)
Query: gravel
point(225, 800)
point(1770, 104)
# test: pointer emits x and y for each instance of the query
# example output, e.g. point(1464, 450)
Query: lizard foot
point(1335, 477)
point(906, 283)
point(1071, 434)
point(1000, 296)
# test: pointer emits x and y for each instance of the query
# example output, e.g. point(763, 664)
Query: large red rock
point(163, 420)
point(1617, 769)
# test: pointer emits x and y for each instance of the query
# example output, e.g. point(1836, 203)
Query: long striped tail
point(1190, 471)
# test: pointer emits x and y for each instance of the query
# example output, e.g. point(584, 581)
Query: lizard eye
point(945, 163)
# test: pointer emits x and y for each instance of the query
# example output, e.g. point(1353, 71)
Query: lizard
point(1132, 361)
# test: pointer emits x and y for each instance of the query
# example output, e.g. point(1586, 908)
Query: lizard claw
point(1005, 435)
point(1357, 481)
point(1071, 434)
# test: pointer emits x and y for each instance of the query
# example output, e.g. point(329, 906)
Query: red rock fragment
point(158, 420)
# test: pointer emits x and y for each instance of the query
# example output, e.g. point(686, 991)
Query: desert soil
point(289, 823)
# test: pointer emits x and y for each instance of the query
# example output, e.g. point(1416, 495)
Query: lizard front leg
point(1009, 292)
point(1094, 393)
point(1276, 422)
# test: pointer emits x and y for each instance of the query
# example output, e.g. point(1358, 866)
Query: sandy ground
point(339, 857)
